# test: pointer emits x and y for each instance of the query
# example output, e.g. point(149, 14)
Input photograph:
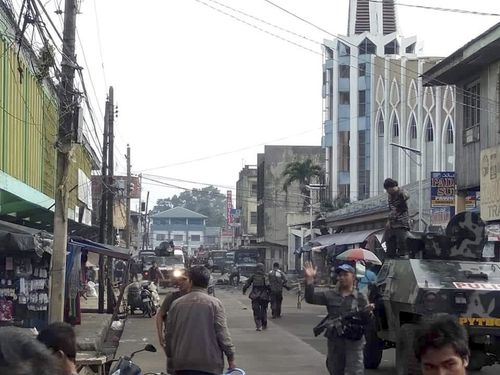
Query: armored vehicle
point(443, 273)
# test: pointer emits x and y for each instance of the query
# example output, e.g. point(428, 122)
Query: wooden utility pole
point(128, 191)
point(103, 209)
point(64, 146)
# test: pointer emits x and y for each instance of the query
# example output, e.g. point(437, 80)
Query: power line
point(229, 152)
point(258, 28)
point(266, 22)
point(98, 29)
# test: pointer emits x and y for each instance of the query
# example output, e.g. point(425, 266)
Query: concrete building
point(246, 204)
point(273, 203)
point(185, 227)
point(475, 70)
point(373, 96)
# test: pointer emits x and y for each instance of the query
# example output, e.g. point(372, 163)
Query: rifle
point(337, 326)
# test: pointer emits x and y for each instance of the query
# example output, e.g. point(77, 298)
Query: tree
point(208, 201)
point(302, 172)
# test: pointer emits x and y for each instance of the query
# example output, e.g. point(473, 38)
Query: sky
point(199, 92)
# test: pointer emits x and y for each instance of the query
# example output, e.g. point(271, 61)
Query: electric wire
point(440, 9)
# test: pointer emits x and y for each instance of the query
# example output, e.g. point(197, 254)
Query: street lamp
point(420, 192)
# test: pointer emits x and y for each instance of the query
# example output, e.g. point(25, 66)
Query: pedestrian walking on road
point(345, 349)
point(155, 274)
point(161, 317)
point(61, 339)
point(441, 346)
point(259, 295)
point(398, 223)
point(197, 336)
point(277, 281)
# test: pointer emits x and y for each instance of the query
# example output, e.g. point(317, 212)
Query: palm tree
point(302, 172)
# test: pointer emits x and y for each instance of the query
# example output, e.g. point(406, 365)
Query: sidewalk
point(270, 352)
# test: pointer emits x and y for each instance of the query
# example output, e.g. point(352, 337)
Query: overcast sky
point(192, 83)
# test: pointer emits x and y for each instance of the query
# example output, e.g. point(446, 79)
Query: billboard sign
point(490, 184)
point(442, 197)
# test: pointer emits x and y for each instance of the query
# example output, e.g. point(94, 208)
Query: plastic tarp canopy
point(14, 237)
point(347, 238)
point(99, 248)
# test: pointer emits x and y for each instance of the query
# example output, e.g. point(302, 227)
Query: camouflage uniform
point(398, 224)
point(277, 280)
point(345, 357)
point(259, 296)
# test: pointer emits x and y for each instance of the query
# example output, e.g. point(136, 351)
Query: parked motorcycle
point(125, 366)
point(139, 296)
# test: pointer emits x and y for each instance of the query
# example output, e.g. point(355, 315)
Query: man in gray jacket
point(197, 336)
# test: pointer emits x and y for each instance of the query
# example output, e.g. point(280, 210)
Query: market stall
point(24, 274)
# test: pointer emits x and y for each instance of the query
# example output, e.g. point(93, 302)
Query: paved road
point(287, 347)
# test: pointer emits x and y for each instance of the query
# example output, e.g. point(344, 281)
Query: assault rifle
point(338, 325)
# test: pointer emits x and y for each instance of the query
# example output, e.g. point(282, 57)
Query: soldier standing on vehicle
point(345, 353)
point(277, 281)
point(259, 296)
point(398, 224)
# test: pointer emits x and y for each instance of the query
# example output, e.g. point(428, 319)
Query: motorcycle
point(148, 305)
point(125, 366)
point(142, 298)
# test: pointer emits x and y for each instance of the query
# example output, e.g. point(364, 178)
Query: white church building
point(373, 98)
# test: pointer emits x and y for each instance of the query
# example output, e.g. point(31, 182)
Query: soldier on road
point(345, 351)
point(259, 296)
point(398, 224)
point(277, 281)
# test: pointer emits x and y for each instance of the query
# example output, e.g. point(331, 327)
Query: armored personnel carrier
point(443, 273)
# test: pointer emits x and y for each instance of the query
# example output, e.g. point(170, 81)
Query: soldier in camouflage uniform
point(277, 281)
point(259, 296)
point(345, 354)
point(398, 225)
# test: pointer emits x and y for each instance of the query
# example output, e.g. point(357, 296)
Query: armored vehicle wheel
point(406, 363)
point(374, 347)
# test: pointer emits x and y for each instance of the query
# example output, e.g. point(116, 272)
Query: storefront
point(24, 275)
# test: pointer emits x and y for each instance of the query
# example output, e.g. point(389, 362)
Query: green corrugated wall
point(28, 128)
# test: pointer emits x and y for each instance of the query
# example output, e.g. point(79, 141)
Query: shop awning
point(14, 237)
point(99, 248)
point(338, 239)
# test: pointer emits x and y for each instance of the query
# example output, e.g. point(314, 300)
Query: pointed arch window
point(449, 133)
point(366, 47)
point(395, 126)
point(413, 127)
point(380, 125)
point(429, 131)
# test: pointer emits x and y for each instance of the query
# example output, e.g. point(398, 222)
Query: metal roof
point(179, 213)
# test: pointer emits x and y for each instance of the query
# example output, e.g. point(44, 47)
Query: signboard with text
point(229, 207)
point(490, 184)
point(442, 197)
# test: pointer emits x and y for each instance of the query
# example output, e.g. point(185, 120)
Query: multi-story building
point(475, 70)
point(29, 117)
point(373, 98)
point(274, 203)
point(246, 204)
point(185, 227)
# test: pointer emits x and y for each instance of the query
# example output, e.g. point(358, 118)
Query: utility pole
point(104, 196)
point(128, 192)
point(111, 168)
point(64, 148)
point(110, 200)
point(145, 238)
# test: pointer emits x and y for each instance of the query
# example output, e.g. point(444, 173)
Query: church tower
point(377, 18)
